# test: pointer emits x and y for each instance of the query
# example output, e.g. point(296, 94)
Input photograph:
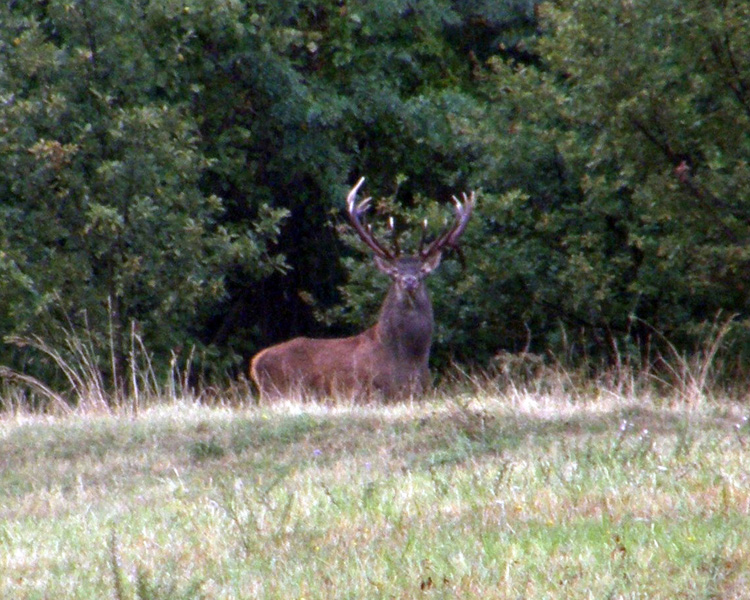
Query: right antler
point(355, 212)
point(450, 236)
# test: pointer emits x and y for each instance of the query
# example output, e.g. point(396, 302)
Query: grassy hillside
point(495, 495)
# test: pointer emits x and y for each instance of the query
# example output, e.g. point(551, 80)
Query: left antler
point(450, 236)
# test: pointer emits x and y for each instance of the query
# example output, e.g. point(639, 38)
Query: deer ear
point(431, 262)
point(385, 266)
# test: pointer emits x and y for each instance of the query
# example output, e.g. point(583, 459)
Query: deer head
point(408, 273)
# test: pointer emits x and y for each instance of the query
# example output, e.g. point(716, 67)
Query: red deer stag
point(390, 358)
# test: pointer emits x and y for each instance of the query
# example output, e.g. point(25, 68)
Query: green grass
point(515, 495)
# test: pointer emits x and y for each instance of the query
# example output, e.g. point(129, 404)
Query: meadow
point(480, 492)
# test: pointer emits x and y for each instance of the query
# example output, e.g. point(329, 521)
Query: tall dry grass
point(86, 369)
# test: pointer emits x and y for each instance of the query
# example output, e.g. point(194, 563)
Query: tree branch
point(734, 79)
point(682, 169)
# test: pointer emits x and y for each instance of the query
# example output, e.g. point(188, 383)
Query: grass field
point(513, 494)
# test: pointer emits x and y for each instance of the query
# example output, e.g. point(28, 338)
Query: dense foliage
point(175, 170)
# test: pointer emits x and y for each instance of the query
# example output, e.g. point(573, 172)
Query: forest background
point(173, 174)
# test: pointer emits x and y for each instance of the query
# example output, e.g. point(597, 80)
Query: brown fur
point(356, 366)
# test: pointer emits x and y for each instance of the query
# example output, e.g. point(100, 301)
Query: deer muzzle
point(410, 283)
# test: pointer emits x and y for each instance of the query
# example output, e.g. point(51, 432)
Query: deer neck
point(405, 324)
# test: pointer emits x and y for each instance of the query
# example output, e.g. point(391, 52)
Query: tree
point(177, 170)
point(295, 101)
point(104, 224)
point(629, 138)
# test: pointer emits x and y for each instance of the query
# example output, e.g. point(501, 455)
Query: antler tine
point(423, 237)
point(463, 212)
point(450, 236)
point(352, 196)
point(394, 237)
point(355, 212)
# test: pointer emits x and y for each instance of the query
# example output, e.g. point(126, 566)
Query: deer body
point(390, 358)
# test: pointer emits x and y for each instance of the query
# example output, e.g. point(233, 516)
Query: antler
point(355, 212)
point(450, 236)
